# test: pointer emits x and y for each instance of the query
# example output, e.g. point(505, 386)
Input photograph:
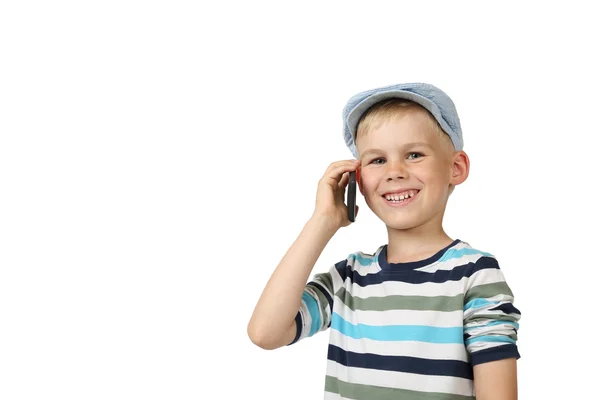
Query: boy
point(423, 317)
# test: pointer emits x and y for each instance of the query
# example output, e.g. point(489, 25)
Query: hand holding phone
point(332, 190)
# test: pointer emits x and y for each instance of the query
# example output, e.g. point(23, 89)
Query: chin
point(400, 222)
point(401, 226)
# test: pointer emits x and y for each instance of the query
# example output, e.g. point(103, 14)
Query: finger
point(344, 180)
point(334, 173)
point(335, 166)
point(337, 171)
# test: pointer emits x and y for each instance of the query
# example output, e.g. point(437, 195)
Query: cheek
point(429, 172)
point(368, 182)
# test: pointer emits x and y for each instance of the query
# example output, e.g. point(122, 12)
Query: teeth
point(402, 197)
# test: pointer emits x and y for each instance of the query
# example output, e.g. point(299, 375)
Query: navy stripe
point(507, 308)
point(298, 328)
point(495, 354)
point(342, 268)
point(327, 296)
point(416, 277)
point(406, 266)
point(411, 365)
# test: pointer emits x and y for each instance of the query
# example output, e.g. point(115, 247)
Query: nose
point(396, 170)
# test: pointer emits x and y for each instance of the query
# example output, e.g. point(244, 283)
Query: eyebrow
point(406, 146)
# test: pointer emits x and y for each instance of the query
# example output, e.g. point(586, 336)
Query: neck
point(415, 244)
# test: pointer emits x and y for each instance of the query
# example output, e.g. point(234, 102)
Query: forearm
point(279, 303)
point(496, 380)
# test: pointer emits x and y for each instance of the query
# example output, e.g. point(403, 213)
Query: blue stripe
point(458, 253)
point(478, 303)
point(313, 309)
point(494, 323)
point(412, 365)
point(363, 261)
point(419, 333)
point(496, 339)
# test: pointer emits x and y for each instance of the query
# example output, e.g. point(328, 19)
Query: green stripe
point(397, 302)
point(488, 290)
point(325, 280)
point(512, 336)
point(357, 391)
point(478, 318)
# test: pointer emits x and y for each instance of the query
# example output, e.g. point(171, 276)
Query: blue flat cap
point(433, 99)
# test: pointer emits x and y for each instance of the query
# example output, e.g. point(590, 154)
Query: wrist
point(323, 224)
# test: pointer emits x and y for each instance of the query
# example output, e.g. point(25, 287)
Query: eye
point(417, 153)
point(376, 159)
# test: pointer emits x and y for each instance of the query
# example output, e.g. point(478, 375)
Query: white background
point(157, 159)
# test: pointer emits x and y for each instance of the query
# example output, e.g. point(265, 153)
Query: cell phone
point(351, 197)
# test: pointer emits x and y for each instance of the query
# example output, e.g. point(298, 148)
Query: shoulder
point(480, 267)
point(362, 259)
point(358, 261)
point(466, 254)
point(464, 260)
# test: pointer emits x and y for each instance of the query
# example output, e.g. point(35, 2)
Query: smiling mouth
point(401, 198)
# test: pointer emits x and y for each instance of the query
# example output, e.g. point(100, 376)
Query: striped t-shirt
point(410, 330)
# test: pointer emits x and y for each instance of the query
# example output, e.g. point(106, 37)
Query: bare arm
point(272, 324)
point(496, 380)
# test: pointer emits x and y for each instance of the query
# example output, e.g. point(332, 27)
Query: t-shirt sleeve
point(490, 318)
point(317, 303)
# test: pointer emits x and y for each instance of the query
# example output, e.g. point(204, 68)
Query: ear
point(460, 168)
point(358, 181)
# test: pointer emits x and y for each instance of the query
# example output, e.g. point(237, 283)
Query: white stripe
point(399, 317)
point(401, 380)
point(433, 351)
point(477, 346)
point(486, 276)
point(503, 329)
point(336, 279)
point(306, 320)
point(448, 288)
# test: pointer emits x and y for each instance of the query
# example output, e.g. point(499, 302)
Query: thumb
point(356, 210)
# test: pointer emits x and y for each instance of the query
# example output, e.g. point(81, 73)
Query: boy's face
point(405, 153)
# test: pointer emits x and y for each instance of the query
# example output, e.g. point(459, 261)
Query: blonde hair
point(386, 110)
